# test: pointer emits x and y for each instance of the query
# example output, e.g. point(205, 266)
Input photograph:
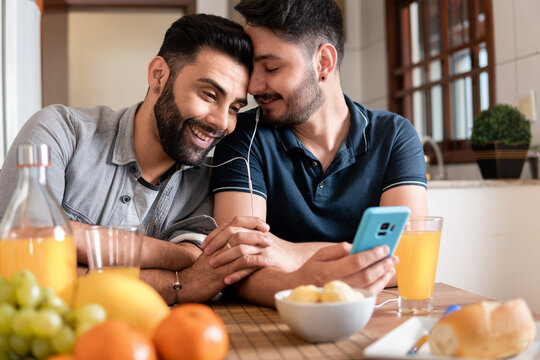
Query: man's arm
point(368, 270)
point(156, 254)
point(412, 196)
point(285, 255)
point(202, 281)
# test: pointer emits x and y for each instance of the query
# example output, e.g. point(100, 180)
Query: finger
point(234, 253)
point(247, 222)
point(332, 252)
point(371, 275)
point(381, 283)
point(354, 264)
point(239, 275)
point(253, 238)
point(237, 235)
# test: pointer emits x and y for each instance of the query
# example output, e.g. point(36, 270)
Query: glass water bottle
point(35, 234)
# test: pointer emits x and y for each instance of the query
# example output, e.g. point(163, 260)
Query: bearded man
point(318, 159)
point(144, 164)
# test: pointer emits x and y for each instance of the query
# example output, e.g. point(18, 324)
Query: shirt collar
point(356, 137)
point(124, 148)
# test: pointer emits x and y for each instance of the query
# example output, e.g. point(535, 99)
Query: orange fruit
point(114, 340)
point(191, 331)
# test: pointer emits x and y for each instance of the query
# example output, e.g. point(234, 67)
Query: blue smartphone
point(380, 226)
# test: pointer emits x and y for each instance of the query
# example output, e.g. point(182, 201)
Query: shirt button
point(314, 164)
point(132, 168)
point(125, 199)
point(321, 185)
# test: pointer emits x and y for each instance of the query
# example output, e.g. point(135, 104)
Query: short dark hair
point(309, 23)
point(191, 33)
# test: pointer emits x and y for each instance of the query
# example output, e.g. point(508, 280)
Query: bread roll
point(486, 329)
point(305, 293)
point(339, 291)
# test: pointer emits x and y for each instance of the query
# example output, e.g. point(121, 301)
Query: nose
point(257, 82)
point(219, 118)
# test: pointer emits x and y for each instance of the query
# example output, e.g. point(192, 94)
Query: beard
point(175, 133)
point(301, 104)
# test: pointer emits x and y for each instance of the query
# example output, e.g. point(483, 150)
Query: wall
point(491, 245)
point(106, 54)
point(517, 53)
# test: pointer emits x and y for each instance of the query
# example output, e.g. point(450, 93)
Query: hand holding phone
point(380, 226)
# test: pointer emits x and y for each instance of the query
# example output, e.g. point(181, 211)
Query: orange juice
point(123, 270)
point(418, 253)
point(52, 261)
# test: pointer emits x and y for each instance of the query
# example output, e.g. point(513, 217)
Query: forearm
point(195, 287)
point(260, 287)
point(159, 254)
point(156, 254)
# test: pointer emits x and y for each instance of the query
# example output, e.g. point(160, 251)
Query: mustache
point(200, 124)
point(266, 97)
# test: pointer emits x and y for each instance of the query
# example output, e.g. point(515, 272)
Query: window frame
point(454, 151)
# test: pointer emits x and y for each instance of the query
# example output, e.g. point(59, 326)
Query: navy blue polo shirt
point(382, 150)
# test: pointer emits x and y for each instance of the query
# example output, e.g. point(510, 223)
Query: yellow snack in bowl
point(339, 291)
point(304, 293)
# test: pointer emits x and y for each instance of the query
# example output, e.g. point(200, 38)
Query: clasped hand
point(238, 248)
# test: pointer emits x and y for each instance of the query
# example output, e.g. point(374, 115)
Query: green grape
point(7, 293)
point(6, 317)
point(20, 275)
point(90, 314)
point(64, 340)
point(27, 293)
point(45, 323)
point(55, 303)
point(19, 345)
point(44, 293)
point(41, 348)
point(21, 322)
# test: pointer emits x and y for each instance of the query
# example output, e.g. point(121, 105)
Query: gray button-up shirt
point(94, 174)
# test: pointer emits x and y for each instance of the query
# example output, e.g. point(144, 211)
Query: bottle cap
point(32, 155)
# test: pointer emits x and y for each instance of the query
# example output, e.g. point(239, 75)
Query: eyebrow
point(266, 57)
point(221, 90)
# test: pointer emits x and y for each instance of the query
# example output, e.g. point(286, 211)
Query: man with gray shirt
point(144, 164)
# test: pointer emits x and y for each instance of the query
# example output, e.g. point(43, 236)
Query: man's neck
point(324, 132)
point(153, 161)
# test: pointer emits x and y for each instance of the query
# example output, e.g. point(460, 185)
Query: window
point(441, 68)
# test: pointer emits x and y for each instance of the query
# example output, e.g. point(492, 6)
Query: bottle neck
point(34, 173)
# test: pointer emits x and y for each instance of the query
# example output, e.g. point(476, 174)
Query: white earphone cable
point(250, 185)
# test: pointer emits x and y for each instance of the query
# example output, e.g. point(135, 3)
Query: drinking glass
point(114, 248)
point(418, 252)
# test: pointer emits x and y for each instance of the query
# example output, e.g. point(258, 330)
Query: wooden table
point(257, 332)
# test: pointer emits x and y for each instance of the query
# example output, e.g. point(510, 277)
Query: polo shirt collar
point(356, 138)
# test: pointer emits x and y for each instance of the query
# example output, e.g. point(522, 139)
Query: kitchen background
point(491, 237)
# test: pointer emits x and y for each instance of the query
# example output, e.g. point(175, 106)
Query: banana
point(124, 298)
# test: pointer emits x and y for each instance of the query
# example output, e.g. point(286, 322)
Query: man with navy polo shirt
point(317, 159)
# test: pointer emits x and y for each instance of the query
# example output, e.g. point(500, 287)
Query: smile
point(199, 134)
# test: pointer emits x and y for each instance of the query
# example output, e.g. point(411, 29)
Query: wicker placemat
point(258, 333)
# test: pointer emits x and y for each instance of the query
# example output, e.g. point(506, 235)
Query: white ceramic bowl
point(323, 322)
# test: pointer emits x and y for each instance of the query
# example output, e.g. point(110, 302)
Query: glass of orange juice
point(114, 248)
point(418, 252)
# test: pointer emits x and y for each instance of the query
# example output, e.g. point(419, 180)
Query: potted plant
point(500, 140)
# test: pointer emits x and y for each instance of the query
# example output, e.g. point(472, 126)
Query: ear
point(158, 73)
point(326, 60)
